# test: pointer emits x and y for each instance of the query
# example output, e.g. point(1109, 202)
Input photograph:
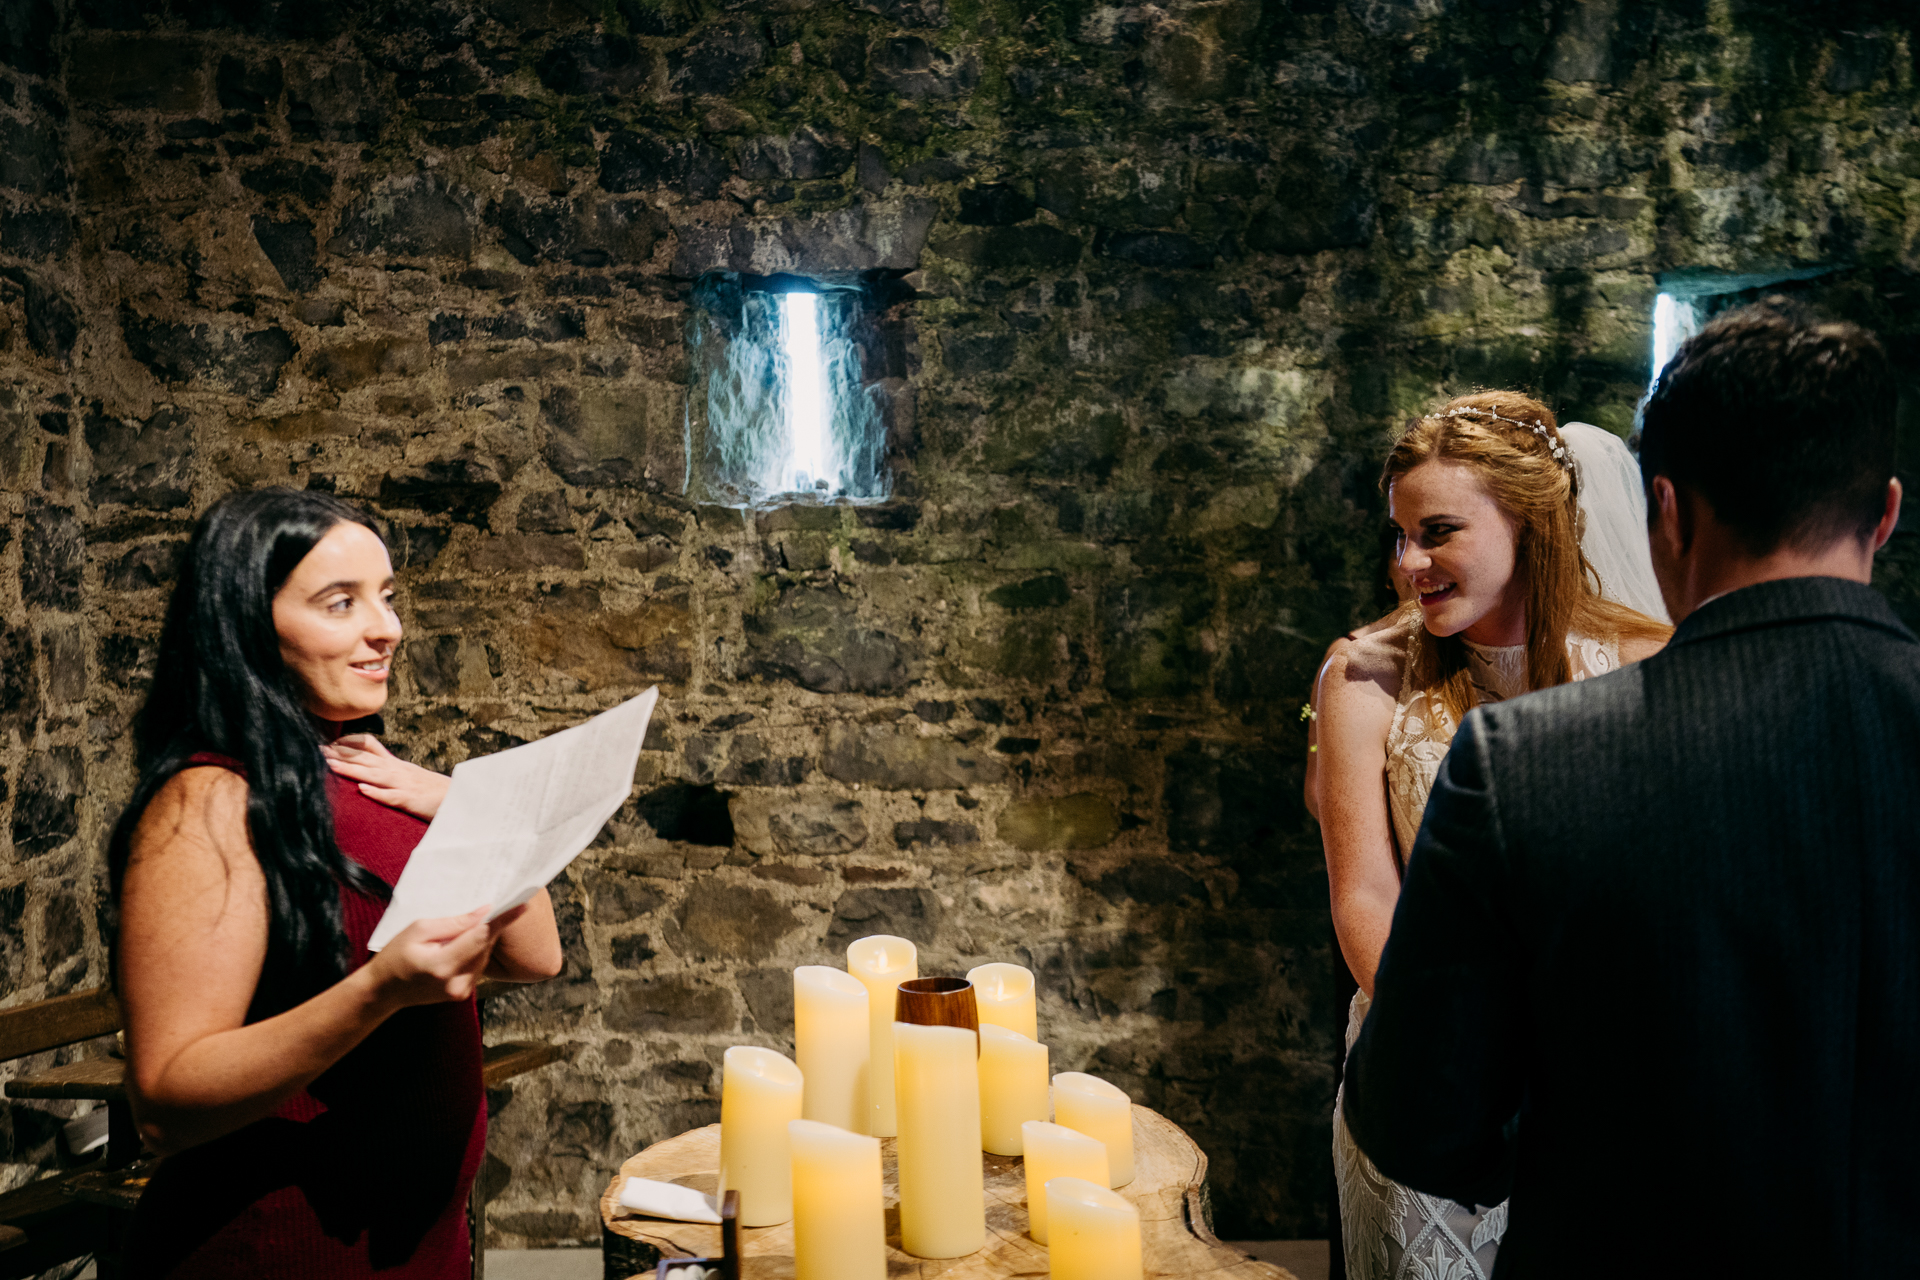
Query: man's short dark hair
point(1783, 422)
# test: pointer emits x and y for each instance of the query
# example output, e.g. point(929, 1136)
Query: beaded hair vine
point(1554, 447)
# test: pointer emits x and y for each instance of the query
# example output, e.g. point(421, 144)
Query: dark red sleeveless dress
point(363, 1174)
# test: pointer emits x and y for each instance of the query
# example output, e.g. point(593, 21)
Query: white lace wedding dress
point(1392, 1232)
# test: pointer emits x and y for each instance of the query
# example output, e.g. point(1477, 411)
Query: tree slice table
point(1169, 1186)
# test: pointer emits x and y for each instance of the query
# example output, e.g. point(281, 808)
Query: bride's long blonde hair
point(1511, 440)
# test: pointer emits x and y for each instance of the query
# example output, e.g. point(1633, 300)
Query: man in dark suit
point(1655, 968)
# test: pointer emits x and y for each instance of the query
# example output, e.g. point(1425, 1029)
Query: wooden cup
point(938, 1002)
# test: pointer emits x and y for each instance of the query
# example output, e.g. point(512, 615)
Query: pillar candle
point(1096, 1232)
point(882, 963)
point(1013, 1088)
point(833, 1043)
point(759, 1094)
point(942, 1189)
point(1099, 1110)
point(1054, 1151)
point(1004, 993)
point(839, 1216)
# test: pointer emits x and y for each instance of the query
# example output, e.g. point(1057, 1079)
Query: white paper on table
point(667, 1200)
point(513, 820)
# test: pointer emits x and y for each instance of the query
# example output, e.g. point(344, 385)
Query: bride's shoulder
point(1593, 656)
point(1375, 654)
point(1634, 648)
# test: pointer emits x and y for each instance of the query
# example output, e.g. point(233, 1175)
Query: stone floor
point(543, 1264)
point(1307, 1259)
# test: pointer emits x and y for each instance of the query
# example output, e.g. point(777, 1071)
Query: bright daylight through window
point(807, 410)
point(1691, 297)
point(782, 408)
point(1674, 321)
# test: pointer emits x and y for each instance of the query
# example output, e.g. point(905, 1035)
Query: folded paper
point(668, 1200)
point(513, 820)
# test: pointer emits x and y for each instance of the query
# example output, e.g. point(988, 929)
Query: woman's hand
point(383, 776)
point(436, 961)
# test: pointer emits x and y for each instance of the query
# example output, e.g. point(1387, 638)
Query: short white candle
point(1099, 1110)
point(759, 1095)
point(1057, 1152)
point(1005, 996)
point(882, 963)
point(1013, 1088)
point(833, 1044)
point(839, 1215)
point(942, 1184)
point(1096, 1233)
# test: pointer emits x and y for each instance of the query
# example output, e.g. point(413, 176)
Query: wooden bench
point(65, 1215)
point(44, 1225)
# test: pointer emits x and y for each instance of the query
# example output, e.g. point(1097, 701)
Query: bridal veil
point(1614, 509)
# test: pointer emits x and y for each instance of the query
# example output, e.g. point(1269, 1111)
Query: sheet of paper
point(513, 820)
point(668, 1200)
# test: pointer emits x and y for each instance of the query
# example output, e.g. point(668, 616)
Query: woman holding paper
point(320, 1108)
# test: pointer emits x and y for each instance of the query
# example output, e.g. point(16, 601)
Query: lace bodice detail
point(1422, 728)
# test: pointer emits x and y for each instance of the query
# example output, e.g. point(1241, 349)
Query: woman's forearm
point(1362, 918)
point(227, 1080)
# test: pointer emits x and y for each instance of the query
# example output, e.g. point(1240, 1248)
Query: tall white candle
point(1013, 1088)
point(1005, 996)
point(839, 1215)
point(833, 1043)
point(1099, 1110)
point(759, 1095)
point(1056, 1152)
point(942, 1187)
point(882, 963)
point(1095, 1232)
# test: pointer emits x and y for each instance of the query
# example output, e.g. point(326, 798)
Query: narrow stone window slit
point(1690, 297)
point(809, 412)
point(784, 405)
point(1674, 321)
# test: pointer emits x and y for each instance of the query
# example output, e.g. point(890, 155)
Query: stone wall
point(1166, 278)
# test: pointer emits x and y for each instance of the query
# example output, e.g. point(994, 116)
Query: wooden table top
point(1169, 1187)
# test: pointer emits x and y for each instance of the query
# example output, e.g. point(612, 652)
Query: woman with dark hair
point(320, 1109)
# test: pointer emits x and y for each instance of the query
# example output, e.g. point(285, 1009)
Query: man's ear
point(1670, 517)
point(1889, 518)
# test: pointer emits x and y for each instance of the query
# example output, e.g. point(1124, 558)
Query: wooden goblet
point(938, 1002)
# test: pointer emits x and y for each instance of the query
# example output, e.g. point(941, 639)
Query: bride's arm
point(1438, 1074)
point(1312, 781)
point(1358, 685)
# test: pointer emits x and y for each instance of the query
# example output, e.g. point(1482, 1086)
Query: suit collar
point(1784, 600)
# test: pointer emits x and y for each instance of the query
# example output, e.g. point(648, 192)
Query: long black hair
point(219, 686)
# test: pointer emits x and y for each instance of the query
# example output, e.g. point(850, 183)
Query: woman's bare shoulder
point(202, 808)
point(1377, 651)
point(1373, 656)
point(1634, 648)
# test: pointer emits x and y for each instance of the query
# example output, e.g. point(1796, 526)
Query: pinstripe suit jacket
point(1655, 968)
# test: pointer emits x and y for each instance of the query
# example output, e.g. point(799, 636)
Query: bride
point(1523, 561)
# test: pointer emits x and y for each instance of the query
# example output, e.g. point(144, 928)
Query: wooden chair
point(86, 1210)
